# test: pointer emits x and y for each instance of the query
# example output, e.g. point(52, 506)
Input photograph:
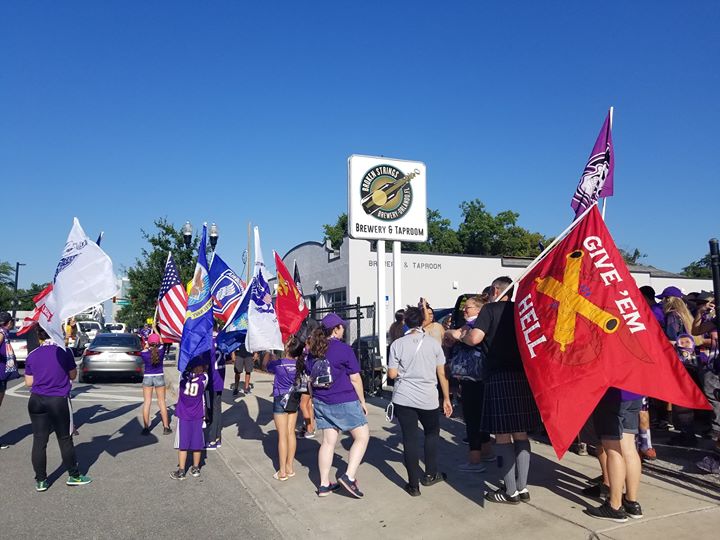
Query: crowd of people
point(475, 363)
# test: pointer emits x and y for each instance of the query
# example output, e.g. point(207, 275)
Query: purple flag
point(597, 178)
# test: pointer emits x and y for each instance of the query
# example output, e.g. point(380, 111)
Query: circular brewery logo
point(385, 192)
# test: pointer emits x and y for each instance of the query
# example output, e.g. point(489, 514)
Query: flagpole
point(604, 206)
point(248, 256)
point(542, 255)
point(158, 299)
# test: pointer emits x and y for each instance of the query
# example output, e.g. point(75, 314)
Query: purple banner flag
point(597, 178)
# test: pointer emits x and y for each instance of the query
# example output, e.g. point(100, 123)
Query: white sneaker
point(472, 467)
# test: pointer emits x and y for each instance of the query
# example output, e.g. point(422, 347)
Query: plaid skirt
point(508, 405)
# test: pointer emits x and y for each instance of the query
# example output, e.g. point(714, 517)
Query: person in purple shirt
point(341, 406)
point(6, 324)
point(213, 400)
point(285, 404)
point(190, 410)
point(49, 370)
point(154, 378)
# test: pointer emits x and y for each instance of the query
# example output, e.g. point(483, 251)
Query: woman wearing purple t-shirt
point(339, 407)
point(49, 370)
point(154, 377)
point(286, 372)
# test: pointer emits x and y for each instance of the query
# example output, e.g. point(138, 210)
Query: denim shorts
point(154, 380)
point(613, 418)
point(340, 416)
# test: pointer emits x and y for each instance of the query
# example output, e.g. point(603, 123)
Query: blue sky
point(120, 112)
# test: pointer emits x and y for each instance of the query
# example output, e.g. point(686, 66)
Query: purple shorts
point(189, 435)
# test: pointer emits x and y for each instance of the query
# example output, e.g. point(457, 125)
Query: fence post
point(313, 306)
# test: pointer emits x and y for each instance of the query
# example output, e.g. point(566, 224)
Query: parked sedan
point(112, 355)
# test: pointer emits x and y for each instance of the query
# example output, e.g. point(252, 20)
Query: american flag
point(172, 304)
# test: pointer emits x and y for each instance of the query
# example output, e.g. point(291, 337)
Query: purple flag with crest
point(597, 178)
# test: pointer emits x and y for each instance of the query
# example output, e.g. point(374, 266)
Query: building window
point(336, 298)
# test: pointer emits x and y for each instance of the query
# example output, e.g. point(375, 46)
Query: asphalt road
point(132, 494)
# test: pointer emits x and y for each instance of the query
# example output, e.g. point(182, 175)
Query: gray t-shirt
point(416, 385)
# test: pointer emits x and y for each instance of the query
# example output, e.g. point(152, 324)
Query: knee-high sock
point(522, 463)
point(506, 462)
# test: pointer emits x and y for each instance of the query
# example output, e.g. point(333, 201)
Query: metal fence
point(361, 336)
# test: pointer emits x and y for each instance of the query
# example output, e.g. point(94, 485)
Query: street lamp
point(187, 234)
point(15, 298)
point(214, 235)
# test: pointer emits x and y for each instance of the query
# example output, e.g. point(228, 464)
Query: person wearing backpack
point(338, 400)
point(417, 364)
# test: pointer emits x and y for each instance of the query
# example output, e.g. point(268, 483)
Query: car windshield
point(115, 340)
point(87, 327)
point(113, 327)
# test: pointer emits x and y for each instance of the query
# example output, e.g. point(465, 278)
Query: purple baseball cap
point(331, 320)
point(670, 291)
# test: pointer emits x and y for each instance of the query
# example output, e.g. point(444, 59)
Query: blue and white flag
point(233, 335)
point(196, 341)
point(83, 278)
point(263, 328)
point(227, 289)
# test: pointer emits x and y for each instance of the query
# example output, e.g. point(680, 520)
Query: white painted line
point(19, 391)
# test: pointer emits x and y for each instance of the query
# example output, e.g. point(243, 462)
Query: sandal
point(291, 474)
point(277, 476)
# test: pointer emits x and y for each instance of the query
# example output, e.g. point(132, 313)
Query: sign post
point(387, 200)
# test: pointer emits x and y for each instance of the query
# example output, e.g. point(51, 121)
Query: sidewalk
point(675, 504)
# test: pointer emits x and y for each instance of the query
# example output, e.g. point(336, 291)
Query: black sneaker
point(429, 480)
point(598, 491)
point(351, 486)
point(195, 472)
point(235, 392)
point(605, 511)
point(596, 480)
point(178, 475)
point(412, 491)
point(499, 496)
point(145, 431)
point(524, 495)
point(632, 509)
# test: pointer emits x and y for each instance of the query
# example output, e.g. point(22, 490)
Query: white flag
point(83, 278)
point(263, 329)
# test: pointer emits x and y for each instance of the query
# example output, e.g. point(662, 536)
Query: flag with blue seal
point(196, 341)
point(227, 289)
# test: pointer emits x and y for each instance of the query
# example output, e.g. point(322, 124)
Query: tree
point(7, 281)
point(147, 273)
point(25, 296)
point(442, 238)
point(632, 257)
point(336, 233)
point(699, 268)
point(481, 233)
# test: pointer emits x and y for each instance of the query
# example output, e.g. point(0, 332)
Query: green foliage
point(7, 284)
point(481, 233)
point(442, 238)
point(632, 257)
point(336, 233)
point(699, 268)
point(147, 273)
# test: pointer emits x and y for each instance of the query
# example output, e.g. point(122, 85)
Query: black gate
point(361, 336)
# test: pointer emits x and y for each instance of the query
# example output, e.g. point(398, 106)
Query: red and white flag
point(583, 326)
point(289, 303)
point(39, 300)
point(172, 304)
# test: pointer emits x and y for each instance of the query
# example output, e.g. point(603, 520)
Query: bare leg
point(616, 470)
point(633, 467)
point(182, 459)
point(147, 400)
point(307, 412)
point(160, 392)
point(361, 437)
point(247, 382)
point(602, 458)
point(291, 442)
point(281, 426)
point(196, 459)
point(325, 455)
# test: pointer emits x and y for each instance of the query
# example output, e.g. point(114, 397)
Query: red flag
point(289, 304)
point(39, 300)
point(583, 326)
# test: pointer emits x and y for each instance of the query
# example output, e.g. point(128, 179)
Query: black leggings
point(472, 408)
point(51, 413)
point(408, 418)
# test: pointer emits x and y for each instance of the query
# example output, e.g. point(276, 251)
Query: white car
point(89, 328)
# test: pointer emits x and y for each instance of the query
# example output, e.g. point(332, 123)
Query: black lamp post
point(187, 231)
point(214, 235)
point(15, 298)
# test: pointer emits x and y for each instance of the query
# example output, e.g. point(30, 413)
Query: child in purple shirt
point(190, 410)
